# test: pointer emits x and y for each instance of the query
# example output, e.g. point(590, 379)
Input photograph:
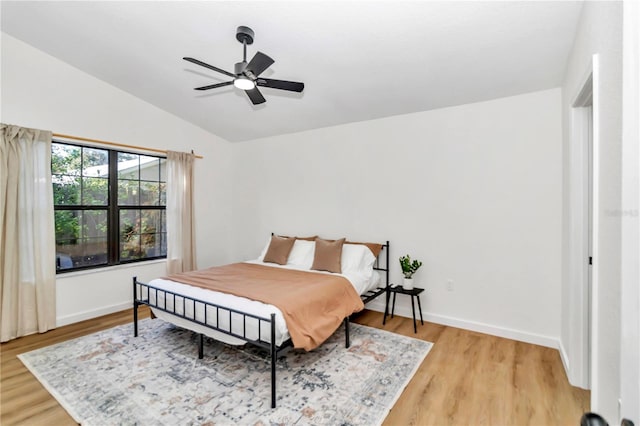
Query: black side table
point(414, 292)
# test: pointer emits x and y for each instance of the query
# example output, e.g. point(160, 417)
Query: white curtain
point(181, 247)
point(27, 236)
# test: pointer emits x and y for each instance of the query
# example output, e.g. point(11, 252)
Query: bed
point(213, 310)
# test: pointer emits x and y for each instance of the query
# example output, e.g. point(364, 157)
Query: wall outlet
point(449, 284)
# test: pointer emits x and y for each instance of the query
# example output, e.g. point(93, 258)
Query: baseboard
point(509, 333)
point(378, 305)
point(85, 315)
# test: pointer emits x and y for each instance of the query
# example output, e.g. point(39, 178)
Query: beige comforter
point(313, 304)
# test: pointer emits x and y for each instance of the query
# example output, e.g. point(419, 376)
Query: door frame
point(583, 301)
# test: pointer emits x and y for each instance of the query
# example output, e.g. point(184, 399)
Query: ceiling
point(359, 60)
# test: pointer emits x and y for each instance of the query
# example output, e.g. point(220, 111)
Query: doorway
point(583, 217)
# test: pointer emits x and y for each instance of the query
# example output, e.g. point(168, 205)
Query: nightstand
point(414, 292)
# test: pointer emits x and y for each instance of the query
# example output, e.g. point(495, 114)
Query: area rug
point(110, 378)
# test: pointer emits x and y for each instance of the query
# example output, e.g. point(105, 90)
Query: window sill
point(109, 268)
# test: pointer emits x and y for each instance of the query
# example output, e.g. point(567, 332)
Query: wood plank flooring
point(468, 378)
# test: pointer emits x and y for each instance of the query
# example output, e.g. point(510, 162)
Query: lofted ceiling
point(359, 60)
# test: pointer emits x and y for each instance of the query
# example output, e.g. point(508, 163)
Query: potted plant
point(408, 269)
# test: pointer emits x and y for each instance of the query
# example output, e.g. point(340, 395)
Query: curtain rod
point(78, 138)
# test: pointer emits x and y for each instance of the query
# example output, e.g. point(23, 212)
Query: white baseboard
point(85, 315)
point(378, 305)
point(509, 333)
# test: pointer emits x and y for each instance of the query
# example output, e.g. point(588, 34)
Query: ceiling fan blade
point(211, 67)
point(259, 63)
point(255, 96)
point(214, 86)
point(292, 86)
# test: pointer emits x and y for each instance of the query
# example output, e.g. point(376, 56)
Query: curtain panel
point(27, 233)
point(181, 248)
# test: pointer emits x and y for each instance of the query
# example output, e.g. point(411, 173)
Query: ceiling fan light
point(244, 83)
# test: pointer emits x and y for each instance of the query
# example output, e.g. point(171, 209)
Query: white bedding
point(361, 281)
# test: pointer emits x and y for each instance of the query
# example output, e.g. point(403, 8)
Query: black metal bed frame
point(270, 345)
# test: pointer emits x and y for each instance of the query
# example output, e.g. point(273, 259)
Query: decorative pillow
point(279, 250)
point(268, 243)
point(328, 255)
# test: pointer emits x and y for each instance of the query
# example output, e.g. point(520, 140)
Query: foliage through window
point(109, 206)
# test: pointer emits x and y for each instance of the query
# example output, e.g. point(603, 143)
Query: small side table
point(414, 292)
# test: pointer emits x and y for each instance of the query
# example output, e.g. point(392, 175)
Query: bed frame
point(141, 289)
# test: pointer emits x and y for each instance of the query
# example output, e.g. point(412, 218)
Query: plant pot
point(407, 283)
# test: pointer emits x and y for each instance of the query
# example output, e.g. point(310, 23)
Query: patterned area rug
point(111, 377)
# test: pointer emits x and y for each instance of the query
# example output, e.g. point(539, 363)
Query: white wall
point(599, 32)
point(473, 191)
point(42, 92)
point(630, 312)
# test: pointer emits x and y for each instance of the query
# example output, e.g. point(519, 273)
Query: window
point(109, 206)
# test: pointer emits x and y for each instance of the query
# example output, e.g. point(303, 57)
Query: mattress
point(226, 319)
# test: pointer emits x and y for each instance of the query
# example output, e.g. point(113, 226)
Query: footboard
point(207, 314)
point(204, 313)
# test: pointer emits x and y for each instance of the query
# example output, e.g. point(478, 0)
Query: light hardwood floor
point(468, 378)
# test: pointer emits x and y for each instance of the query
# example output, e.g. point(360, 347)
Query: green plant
point(408, 267)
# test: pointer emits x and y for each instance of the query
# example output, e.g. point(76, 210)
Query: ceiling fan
point(246, 75)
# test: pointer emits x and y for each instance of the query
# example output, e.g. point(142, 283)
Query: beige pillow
point(279, 249)
point(327, 256)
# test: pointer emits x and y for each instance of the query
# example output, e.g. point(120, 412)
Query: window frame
point(112, 208)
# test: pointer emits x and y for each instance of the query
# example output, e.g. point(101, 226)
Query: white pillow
point(357, 258)
point(302, 254)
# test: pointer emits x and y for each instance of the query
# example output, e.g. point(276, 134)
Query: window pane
point(130, 248)
point(149, 193)
point(67, 226)
point(128, 166)
point(66, 190)
point(94, 223)
point(65, 159)
point(163, 170)
point(163, 244)
point(150, 222)
point(84, 252)
point(150, 245)
point(129, 222)
point(129, 234)
point(163, 194)
point(142, 234)
point(95, 191)
point(128, 192)
point(95, 162)
point(81, 238)
point(149, 168)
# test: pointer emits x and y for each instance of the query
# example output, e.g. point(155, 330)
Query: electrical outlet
point(449, 284)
